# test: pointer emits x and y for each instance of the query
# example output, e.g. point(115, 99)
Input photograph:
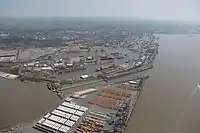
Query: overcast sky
point(183, 10)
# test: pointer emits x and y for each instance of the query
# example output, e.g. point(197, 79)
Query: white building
point(84, 76)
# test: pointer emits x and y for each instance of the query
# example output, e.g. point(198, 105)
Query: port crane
point(118, 121)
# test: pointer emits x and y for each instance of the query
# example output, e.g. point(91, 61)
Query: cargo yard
point(88, 81)
point(105, 108)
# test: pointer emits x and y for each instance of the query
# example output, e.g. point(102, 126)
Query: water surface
point(165, 105)
point(21, 102)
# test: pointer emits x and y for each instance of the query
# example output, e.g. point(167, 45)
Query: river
point(21, 102)
point(165, 104)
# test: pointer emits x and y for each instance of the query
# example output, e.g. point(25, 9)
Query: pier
point(8, 75)
point(129, 72)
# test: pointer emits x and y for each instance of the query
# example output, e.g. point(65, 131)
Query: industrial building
point(61, 119)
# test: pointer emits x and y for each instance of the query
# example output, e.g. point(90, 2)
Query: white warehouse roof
point(72, 111)
point(79, 113)
point(83, 108)
point(41, 120)
point(54, 118)
point(64, 129)
point(69, 123)
point(62, 120)
point(82, 92)
point(46, 68)
point(62, 108)
point(59, 113)
point(47, 115)
point(67, 116)
point(56, 126)
point(74, 118)
point(84, 76)
point(63, 117)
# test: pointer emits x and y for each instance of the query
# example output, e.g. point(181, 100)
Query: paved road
point(78, 85)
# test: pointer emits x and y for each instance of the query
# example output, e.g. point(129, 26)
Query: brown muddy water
point(22, 102)
point(166, 105)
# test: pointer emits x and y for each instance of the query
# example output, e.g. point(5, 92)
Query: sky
point(177, 10)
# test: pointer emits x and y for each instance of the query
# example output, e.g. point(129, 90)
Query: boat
point(197, 89)
point(198, 85)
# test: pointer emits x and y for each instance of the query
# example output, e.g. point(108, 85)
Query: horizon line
point(96, 17)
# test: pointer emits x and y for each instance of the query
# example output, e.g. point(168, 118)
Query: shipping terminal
point(97, 101)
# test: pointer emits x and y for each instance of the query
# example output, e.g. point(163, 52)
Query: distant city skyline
point(175, 10)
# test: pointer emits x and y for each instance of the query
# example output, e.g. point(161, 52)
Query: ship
point(197, 89)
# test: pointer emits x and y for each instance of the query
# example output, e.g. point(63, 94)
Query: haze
point(177, 10)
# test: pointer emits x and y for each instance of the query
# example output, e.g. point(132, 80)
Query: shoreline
point(8, 75)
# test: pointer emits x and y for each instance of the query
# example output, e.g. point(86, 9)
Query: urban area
point(97, 71)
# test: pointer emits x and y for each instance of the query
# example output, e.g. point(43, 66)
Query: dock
point(8, 75)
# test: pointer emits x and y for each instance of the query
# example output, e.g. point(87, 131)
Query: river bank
point(166, 94)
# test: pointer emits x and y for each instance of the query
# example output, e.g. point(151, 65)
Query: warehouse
point(62, 119)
